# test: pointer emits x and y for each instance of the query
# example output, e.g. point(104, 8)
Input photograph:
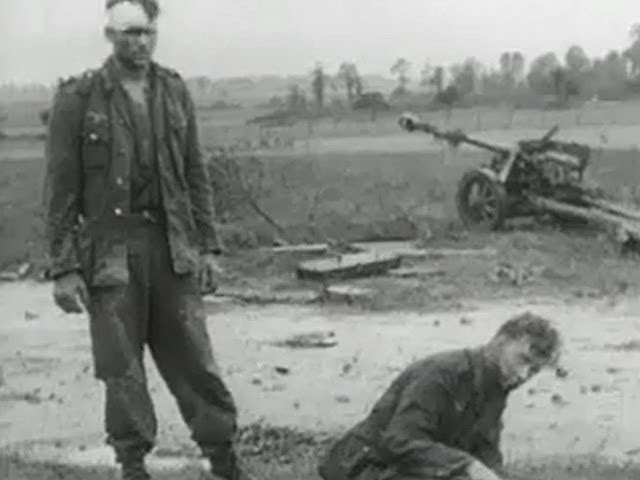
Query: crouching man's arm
point(409, 445)
point(488, 450)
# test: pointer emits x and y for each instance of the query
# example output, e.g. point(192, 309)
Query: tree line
point(548, 80)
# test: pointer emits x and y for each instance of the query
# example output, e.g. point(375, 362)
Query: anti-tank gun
point(517, 180)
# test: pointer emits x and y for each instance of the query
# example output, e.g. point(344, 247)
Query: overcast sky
point(43, 39)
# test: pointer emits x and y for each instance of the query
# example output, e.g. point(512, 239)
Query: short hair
point(151, 7)
point(543, 337)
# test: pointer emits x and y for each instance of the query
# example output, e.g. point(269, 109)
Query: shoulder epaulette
point(77, 83)
point(171, 72)
point(168, 73)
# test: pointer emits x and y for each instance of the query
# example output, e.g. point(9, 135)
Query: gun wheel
point(481, 201)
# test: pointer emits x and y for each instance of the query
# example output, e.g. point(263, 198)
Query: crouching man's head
point(522, 347)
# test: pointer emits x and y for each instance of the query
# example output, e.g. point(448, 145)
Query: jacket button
point(119, 181)
point(118, 212)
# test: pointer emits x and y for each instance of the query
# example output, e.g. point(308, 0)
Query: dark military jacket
point(90, 150)
point(439, 415)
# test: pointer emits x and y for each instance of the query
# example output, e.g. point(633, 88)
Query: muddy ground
point(50, 405)
point(583, 426)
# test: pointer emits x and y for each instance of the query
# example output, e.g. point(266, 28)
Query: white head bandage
point(124, 15)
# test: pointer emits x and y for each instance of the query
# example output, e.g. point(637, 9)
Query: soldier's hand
point(210, 273)
point(479, 471)
point(70, 293)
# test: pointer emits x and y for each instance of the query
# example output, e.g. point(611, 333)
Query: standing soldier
point(131, 238)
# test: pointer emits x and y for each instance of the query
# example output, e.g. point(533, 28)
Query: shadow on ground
point(13, 468)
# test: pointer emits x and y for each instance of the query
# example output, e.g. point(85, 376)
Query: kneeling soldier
point(442, 417)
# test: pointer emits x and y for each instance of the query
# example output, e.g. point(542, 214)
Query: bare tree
point(318, 85)
point(401, 69)
point(512, 66)
point(426, 75)
point(349, 76)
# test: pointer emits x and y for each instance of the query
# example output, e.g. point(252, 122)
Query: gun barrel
point(486, 146)
point(457, 137)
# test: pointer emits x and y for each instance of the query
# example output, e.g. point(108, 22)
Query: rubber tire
point(499, 192)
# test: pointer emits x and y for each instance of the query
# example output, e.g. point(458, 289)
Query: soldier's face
point(134, 46)
point(517, 363)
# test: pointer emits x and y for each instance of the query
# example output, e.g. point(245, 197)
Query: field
point(355, 180)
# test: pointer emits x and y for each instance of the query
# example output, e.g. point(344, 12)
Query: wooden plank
point(417, 272)
point(349, 294)
point(318, 248)
point(252, 295)
point(309, 340)
point(348, 266)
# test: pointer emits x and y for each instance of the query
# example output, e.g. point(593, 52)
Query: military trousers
point(165, 312)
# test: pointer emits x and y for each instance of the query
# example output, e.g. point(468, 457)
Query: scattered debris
point(557, 400)
point(587, 293)
point(24, 269)
point(296, 405)
point(343, 399)
point(32, 398)
point(313, 248)
point(613, 370)
point(218, 298)
point(15, 275)
point(256, 381)
point(596, 388)
point(7, 276)
point(348, 266)
point(340, 247)
point(448, 252)
point(282, 370)
point(417, 272)
point(349, 294)
point(457, 236)
point(631, 346)
point(562, 372)
point(466, 321)
point(263, 297)
point(516, 275)
point(309, 340)
point(276, 387)
point(554, 273)
point(30, 316)
point(348, 366)
point(436, 323)
point(281, 444)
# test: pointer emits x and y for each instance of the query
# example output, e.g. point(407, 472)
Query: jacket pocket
point(96, 141)
point(178, 124)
